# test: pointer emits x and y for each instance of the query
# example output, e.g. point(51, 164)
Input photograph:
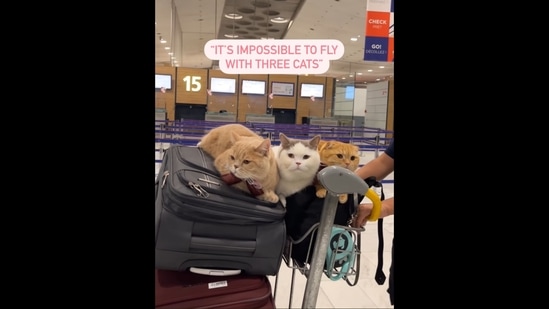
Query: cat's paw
point(321, 193)
point(343, 198)
point(270, 197)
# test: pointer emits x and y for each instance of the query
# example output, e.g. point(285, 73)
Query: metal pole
point(321, 248)
point(377, 143)
point(336, 180)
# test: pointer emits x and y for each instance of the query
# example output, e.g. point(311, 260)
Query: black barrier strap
point(379, 275)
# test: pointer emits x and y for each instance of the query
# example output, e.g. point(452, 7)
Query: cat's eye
point(340, 156)
point(246, 161)
point(353, 158)
point(291, 155)
point(232, 157)
point(306, 157)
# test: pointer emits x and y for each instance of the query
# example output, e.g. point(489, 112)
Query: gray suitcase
point(202, 222)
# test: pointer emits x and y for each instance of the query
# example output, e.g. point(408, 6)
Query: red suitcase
point(186, 290)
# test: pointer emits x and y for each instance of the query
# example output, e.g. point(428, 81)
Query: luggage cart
point(336, 180)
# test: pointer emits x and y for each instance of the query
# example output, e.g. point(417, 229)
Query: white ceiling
point(187, 25)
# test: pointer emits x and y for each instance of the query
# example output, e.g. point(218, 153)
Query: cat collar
point(253, 186)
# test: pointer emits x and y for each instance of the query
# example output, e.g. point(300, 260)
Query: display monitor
point(162, 81)
point(312, 90)
point(283, 89)
point(223, 85)
point(253, 86)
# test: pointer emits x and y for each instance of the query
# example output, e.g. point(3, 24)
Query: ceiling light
point(231, 36)
point(279, 20)
point(167, 47)
point(381, 67)
point(162, 41)
point(233, 16)
point(370, 70)
point(354, 39)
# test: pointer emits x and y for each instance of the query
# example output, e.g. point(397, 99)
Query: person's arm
point(379, 167)
point(364, 210)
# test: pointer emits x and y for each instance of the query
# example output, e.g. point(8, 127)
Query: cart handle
point(376, 201)
point(339, 180)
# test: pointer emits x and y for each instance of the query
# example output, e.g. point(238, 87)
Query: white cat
point(298, 162)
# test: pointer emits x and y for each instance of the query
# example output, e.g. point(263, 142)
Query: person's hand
point(363, 213)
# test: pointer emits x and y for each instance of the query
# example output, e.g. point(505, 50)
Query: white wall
point(360, 102)
point(376, 104)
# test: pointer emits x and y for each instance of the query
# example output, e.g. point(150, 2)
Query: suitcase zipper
point(164, 178)
point(198, 189)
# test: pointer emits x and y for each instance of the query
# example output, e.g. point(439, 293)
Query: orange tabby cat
point(337, 153)
point(244, 159)
point(219, 139)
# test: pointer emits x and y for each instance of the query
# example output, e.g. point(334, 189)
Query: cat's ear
point(325, 145)
point(264, 147)
point(283, 139)
point(314, 141)
point(321, 145)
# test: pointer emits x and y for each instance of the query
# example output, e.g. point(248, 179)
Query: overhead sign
point(379, 31)
point(274, 56)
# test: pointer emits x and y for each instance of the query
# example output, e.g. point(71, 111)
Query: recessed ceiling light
point(279, 20)
point(370, 70)
point(231, 36)
point(381, 67)
point(233, 16)
point(354, 39)
point(167, 47)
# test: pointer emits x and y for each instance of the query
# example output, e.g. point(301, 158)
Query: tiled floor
point(338, 294)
